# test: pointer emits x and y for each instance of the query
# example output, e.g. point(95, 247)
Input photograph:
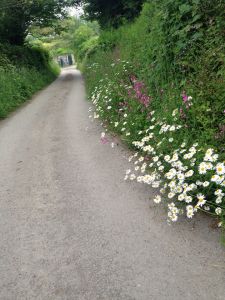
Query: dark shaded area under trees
point(16, 16)
point(111, 12)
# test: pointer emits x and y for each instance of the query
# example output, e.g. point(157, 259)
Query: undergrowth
point(159, 83)
point(23, 71)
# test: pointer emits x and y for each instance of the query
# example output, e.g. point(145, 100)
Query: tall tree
point(111, 12)
point(17, 15)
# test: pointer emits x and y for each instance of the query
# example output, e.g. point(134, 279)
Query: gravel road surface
point(71, 228)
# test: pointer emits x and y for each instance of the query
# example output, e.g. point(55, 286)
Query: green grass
point(22, 73)
point(174, 50)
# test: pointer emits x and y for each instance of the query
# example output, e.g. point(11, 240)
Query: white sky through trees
point(76, 11)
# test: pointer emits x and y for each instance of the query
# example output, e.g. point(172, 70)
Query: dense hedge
point(175, 47)
point(23, 71)
point(171, 63)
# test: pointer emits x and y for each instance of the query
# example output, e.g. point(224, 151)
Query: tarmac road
point(71, 228)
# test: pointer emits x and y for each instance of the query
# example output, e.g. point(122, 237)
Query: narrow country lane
point(72, 229)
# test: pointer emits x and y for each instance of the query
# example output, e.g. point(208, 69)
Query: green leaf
point(195, 18)
point(197, 35)
point(185, 8)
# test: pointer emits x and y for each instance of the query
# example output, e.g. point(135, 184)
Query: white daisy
point(157, 199)
point(201, 199)
point(205, 183)
point(218, 210)
point(202, 169)
point(219, 200)
point(220, 169)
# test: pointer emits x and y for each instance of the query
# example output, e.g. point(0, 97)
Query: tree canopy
point(16, 16)
point(111, 12)
point(71, 35)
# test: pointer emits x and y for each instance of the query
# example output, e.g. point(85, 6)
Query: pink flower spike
point(185, 98)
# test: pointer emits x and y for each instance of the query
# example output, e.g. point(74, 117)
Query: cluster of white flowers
point(187, 177)
point(181, 177)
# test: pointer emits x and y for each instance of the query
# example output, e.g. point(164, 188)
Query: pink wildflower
point(185, 97)
point(140, 92)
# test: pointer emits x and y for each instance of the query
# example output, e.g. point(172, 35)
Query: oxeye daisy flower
point(139, 179)
point(220, 169)
point(215, 157)
point(202, 169)
point(179, 189)
point(126, 177)
point(188, 199)
point(189, 173)
point(209, 166)
point(180, 176)
point(190, 211)
point(167, 158)
point(171, 195)
point(218, 210)
point(155, 159)
point(174, 218)
point(181, 197)
point(132, 176)
point(219, 200)
point(219, 192)
point(215, 178)
point(157, 199)
point(201, 200)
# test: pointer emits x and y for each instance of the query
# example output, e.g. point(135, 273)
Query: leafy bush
point(170, 63)
point(23, 71)
point(74, 35)
point(111, 12)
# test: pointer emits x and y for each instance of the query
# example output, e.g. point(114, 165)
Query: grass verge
point(159, 84)
point(23, 71)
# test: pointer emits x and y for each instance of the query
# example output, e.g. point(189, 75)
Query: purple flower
point(185, 97)
point(140, 91)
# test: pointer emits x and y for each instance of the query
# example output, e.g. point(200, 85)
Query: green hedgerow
point(23, 71)
point(159, 83)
